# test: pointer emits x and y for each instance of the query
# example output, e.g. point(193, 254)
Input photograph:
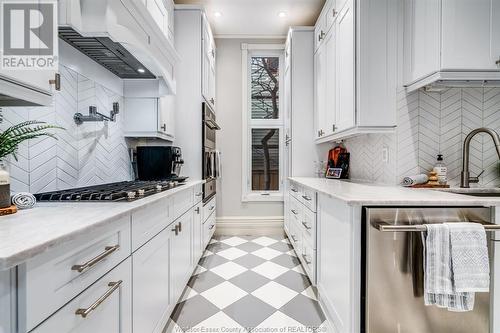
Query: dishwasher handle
point(386, 227)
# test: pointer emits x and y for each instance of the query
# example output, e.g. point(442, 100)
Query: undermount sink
point(476, 192)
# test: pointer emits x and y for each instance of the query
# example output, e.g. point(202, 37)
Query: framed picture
point(335, 173)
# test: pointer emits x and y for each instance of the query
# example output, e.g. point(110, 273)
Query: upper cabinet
point(355, 69)
point(451, 40)
point(26, 85)
point(208, 65)
point(162, 12)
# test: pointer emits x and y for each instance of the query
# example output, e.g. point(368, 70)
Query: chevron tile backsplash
point(89, 154)
point(430, 123)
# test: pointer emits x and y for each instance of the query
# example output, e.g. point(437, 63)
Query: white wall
point(229, 117)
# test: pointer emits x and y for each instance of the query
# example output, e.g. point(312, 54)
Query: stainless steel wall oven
point(211, 156)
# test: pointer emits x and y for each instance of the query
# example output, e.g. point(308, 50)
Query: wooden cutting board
point(9, 210)
point(430, 186)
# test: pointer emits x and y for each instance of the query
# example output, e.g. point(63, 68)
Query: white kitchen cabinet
point(112, 315)
point(355, 69)
point(150, 117)
point(197, 234)
point(151, 273)
point(209, 54)
point(458, 36)
point(338, 271)
point(345, 74)
point(32, 86)
point(299, 103)
point(7, 301)
point(180, 257)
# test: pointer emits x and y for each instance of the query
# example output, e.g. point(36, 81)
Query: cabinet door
point(330, 82)
point(468, 34)
point(345, 115)
point(334, 278)
point(180, 254)
point(197, 234)
point(166, 115)
point(151, 290)
point(112, 315)
point(211, 76)
point(319, 91)
point(421, 38)
point(287, 104)
point(206, 61)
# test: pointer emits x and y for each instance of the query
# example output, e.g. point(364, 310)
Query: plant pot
point(4, 185)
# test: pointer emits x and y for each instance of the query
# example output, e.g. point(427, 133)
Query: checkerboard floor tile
point(245, 283)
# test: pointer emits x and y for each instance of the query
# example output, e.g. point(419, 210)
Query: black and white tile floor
point(248, 283)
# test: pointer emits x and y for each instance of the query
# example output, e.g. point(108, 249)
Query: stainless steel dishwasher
point(392, 273)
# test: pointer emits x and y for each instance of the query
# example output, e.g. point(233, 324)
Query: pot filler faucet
point(97, 116)
point(466, 179)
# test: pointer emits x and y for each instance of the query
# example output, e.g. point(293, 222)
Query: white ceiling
point(258, 18)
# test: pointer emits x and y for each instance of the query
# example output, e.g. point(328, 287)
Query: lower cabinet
point(197, 237)
point(106, 306)
point(151, 289)
point(180, 256)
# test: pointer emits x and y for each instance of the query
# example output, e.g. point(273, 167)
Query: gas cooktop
point(113, 192)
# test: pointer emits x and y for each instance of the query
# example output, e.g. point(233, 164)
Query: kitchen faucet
point(466, 179)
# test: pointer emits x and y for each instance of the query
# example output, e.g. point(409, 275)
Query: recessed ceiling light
point(282, 14)
point(217, 14)
point(141, 70)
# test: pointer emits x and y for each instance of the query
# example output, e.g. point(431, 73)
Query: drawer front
point(308, 226)
point(112, 315)
point(295, 238)
point(308, 198)
point(294, 190)
point(209, 208)
point(198, 193)
point(54, 278)
point(182, 201)
point(149, 221)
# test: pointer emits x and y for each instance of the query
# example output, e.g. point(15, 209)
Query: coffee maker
point(155, 163)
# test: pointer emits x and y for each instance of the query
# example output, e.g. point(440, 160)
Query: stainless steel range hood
point(117, 35)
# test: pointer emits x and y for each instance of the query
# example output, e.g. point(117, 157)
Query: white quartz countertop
point(32, 231)
point(366, 194)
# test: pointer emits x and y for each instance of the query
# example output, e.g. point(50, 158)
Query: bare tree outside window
point(265, 105)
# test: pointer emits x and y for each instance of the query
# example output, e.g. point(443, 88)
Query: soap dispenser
point(441, 170)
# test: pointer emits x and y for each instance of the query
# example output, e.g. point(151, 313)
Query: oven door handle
point(212, 124)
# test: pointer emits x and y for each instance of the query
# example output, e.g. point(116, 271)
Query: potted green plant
point(9, 143)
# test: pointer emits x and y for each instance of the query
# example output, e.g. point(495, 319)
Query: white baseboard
point(249, 225)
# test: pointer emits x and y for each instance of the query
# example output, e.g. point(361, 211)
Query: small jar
point(4, 185)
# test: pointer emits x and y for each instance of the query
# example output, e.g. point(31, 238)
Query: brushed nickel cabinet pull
point(212, 208)
point(107, 251)
point(197, 210)
point(306, 225)
point(212, 226)
point(164, 127)
point(176, 230)
point(306, 198)
point(56, 81)
point(294, 211)
point(199, 194)
point(180, 226)
point(85, 312)
point(293, 238)
point(294, 190)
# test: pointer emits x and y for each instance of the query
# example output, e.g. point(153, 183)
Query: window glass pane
point(265, 87)
point(265, 159)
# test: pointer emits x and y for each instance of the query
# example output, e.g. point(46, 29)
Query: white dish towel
point(454, 245)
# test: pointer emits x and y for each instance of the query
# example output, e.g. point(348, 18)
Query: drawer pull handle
point(306, 225)
point(293, 238)
point(199, 194)
point(211, 208)
point(107, 251)
point(294, 190)
point(211, 227)
point(180, 226)
point(85, 312)
point(306, 197)
point(305, 259)
point(294, 211)
point(197, 210)
point(176, 230)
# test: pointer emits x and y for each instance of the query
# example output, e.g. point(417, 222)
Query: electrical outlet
point(385, 154)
